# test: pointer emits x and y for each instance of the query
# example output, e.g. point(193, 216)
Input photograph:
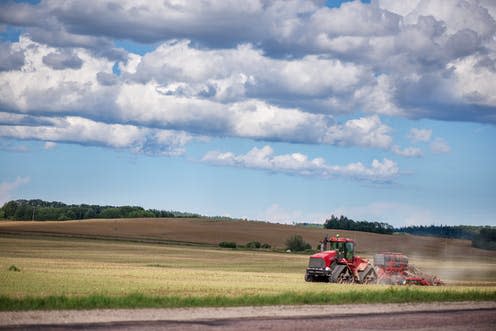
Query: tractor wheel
point(308, 278)
point(344, 277)
point(370, 277)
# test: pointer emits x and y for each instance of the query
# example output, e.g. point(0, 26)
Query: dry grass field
point(205, 231)
point(81, 267)
point(115, 261)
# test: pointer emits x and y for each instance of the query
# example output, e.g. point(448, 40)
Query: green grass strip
point(137, 300)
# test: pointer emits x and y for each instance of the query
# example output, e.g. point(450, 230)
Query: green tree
point(295, 243)
point(9, 209)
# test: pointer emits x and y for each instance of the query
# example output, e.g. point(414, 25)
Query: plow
point(337, 263)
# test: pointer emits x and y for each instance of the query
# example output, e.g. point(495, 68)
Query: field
point(211, 232)
point(59, 269)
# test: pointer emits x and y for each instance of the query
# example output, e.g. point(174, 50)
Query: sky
point(283, 111)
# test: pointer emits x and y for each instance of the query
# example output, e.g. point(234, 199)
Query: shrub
point(253, 244)
point(227, 244)
point(14, 268)
point(295, 243)
point(265, 246)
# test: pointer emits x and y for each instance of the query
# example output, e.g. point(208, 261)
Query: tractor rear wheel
point(345, 277)
point(370, 277)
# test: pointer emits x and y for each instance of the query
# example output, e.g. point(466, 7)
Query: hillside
point(206, 231)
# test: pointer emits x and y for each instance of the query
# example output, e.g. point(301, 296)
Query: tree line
point(39, 210)
point(481, 236)
point(444, 231)
point(345, 223)
point(486, 239)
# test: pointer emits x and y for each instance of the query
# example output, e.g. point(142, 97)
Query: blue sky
point(280, 111)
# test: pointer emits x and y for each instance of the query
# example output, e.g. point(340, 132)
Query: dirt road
point(438, 316)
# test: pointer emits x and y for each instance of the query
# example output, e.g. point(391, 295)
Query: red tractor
point(339, 264)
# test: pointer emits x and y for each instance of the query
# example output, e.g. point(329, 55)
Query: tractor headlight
point(328, 269)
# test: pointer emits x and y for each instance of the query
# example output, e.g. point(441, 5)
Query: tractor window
point(349, 251)
point(334, 246)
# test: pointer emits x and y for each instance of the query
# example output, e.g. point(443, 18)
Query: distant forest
point(481, 236)
point(444, 231)
point(39, 210)
point(345, 223)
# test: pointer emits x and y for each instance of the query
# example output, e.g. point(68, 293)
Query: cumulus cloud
point(8, 187)
point(440, 146)
point(49, 145)
point(83, 131)
point(64, 60)
point(13, 146)
point(106, 78)
point(184, 98)
point(407, 152)
point(293, 71)
point(422, 135)
point(299, 164)
point(432, 47)
point(10, 59)
point(245, 72)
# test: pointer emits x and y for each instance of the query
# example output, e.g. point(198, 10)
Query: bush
point(227, 244)
point(295, 243)
point(14, 268)
point(253, 244)
point(266, 246)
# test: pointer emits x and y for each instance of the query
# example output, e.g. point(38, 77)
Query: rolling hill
point(211, 232)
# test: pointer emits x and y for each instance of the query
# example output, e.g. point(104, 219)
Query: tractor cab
point(344, 247)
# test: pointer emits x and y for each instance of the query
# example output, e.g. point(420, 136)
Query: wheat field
point(82, 267)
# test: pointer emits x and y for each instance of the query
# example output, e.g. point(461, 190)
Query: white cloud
point(235, 74)
point(7, 188)
point(474, 79)
point(284, 72)
point(10, 59)
point(13, 146)
point(37, 87)
point(440, 146)
point(335, 57)
point(177, 98)
point(87, 132)
point(364, 131)
point(422, 135)
point(456, 14)
point(49, 145)
point(407, 152)
point(299, 164)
